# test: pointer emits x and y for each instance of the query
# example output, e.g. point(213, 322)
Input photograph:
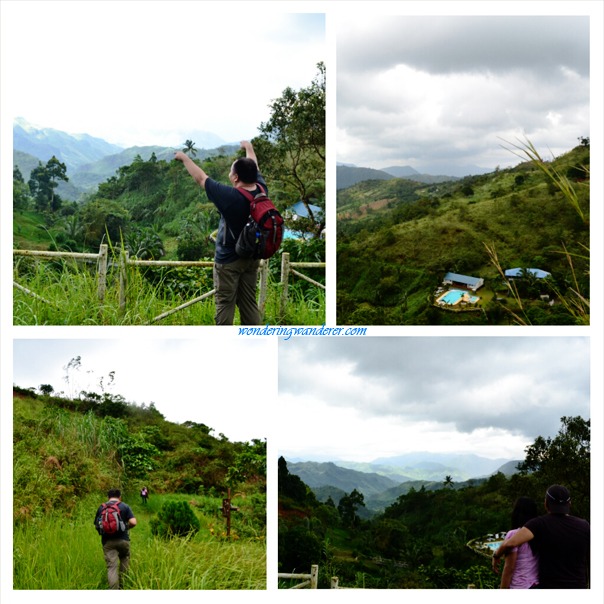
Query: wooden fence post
point(284, 282)
point(124, 258)
point(314, 576)
point(102, 271)
point(334, 583)
point(263, 285)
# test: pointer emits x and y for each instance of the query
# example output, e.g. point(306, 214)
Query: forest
point(397, 239)
point(70, 450)
point(153, 210)
point(421, 540)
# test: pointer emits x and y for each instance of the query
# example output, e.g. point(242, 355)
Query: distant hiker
point(235, 277)
point(521, 566)
point(144, 495)
point(560, 540)
point(112, 521)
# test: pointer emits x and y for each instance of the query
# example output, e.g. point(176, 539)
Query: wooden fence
point(102, 262)
point(310, 580)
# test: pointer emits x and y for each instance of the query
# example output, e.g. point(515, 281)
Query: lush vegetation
point(398, 238)
point(69, 451)
point(153, 210)
point(420, 541)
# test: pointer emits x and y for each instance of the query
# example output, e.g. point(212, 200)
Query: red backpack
point(110, 520)
point(263, 233)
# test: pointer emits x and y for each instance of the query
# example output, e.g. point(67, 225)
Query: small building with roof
point(456, 280)
point(518, 273)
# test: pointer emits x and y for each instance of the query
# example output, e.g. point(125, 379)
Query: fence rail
point(310, 580)
point(102, 261)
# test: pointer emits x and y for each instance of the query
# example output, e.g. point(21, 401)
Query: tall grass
point(70, 294)
point(62, 551)
point(574, 300)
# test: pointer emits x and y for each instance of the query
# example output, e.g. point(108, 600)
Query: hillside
point(68, 453)
point(348, 176)
point(328, 474)
point(419, 534)
point(398, 238)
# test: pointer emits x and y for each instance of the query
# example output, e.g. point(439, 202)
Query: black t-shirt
point(562, 544)
point(234, 211)
point(126, 513)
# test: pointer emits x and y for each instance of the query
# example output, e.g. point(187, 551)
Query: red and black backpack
point(109, 521)
point(263, 233)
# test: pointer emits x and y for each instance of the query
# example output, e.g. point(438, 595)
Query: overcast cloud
point(369, 397)
point(443, 93)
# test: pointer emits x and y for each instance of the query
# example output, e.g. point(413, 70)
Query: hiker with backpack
point(112, 521)
point(249, 230)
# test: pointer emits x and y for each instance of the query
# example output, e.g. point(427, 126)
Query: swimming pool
point(453, 296)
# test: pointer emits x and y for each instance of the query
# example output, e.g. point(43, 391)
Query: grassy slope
point(61, 473)
point(380, 259)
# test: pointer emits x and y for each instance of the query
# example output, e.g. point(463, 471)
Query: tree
point(190, 148)
point(564, 459)
point(348, 506)
point(448, 481)
point(21, 196)
point(292, 147)
point(46, 389)
point(101, 218)
point(44, 180)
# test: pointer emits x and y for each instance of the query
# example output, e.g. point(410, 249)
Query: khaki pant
point(235, 285)
point(117, 558)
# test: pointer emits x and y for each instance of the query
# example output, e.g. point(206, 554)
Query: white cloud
point(138, 74)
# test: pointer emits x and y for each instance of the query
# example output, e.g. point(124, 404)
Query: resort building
point(471, 283)
point(518, 273)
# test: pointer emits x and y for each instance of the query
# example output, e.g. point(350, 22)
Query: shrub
point(176, 519)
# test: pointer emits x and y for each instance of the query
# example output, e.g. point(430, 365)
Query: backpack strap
point(250, 197)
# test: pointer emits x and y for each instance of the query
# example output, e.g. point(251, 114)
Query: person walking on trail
point(235, 278)
point(561, 542)
point(113, 520)
point(521, 566)
point(144, 495)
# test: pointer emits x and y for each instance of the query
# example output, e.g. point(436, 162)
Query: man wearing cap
point(560, 540)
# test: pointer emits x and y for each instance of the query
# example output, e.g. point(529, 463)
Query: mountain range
point(90, 160)
point(348, 175)
point(383, 480)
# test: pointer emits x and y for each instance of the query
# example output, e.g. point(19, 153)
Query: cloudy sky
point(204, 380)
point(138, 73)
point(358, 399)
point(441, 92)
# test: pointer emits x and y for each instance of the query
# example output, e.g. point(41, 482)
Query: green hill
point(68, 453)
point(398, 238)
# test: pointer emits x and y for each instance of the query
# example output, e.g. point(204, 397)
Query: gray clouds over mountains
point(438, 92)
point(479, 387)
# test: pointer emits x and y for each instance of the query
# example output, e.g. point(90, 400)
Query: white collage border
point(595, 331)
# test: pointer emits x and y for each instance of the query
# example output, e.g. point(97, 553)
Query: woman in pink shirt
point(521, 567)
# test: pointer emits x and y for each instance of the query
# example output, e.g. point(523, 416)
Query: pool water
point(453, 296)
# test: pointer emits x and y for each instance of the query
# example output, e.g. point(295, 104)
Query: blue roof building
point(472, 283)
point(519, 272)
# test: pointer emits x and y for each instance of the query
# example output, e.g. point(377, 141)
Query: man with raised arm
point(235, 278)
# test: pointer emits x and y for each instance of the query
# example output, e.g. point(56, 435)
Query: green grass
point(65, 293)
point(64, 551)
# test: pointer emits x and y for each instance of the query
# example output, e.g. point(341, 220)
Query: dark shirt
point(126, 513)
point(234, 211)
point(562, 544)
